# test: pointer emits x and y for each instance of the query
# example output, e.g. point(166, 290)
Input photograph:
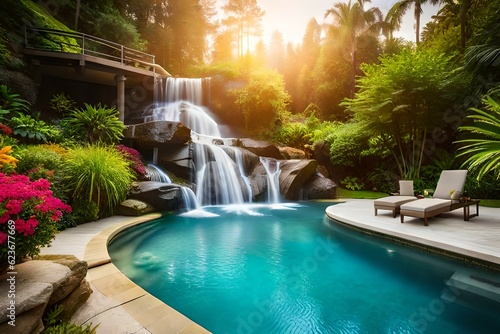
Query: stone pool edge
point(432, 246)
point(154, 315)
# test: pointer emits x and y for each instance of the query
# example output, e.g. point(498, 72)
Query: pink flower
point(14, 206)
point(26, 227)
point(3, 238)
point(4, 218)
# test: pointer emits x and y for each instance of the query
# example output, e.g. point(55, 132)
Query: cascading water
point(156, 174)
point(273, 171)
point(220, 179)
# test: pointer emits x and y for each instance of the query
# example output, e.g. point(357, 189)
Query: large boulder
point(75, 300)
point(158, 132)
point(319, 187)
point(292, 153)
point(294, 174)
point(261, 148)
point(31, 299)
point(161, 196)
point(38, 286)
point(133, 207)
point(258, 182)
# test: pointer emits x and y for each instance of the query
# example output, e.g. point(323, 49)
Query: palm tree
point(458, 10)
point(483, 149)
point(482, 60)
point(353, 21)
point(396, 13)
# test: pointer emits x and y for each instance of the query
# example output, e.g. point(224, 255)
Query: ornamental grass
point(96, 179)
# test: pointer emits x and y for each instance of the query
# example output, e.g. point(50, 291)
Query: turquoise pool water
point(288, 269)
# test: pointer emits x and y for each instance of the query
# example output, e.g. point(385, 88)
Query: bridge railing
point(79, 43)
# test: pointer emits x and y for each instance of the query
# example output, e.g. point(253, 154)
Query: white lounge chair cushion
point(394, 201)
point(426, 204)
point(450, 181)
point(406, 188)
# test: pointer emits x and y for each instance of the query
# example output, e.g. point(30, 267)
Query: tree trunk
point(77, 14)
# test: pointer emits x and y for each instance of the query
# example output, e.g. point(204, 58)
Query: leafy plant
point(97, 178)
point(262, 99)
point(400, 100)
point(70, 328)
point(11, 104)
point(56, 324)
point(352, 183)
point(28, 213)
point(62, 103)
point(383, 180)
point(32, 129)
point(483, 149)
point(95, 124)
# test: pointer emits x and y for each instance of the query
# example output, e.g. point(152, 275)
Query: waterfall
point(220, 177)
point(189, 199)
point(156, 174)
point(273, 172)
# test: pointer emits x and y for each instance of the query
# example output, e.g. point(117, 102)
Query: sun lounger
point(448, 191)
point(393, 203)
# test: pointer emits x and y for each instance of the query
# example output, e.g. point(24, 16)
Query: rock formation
point(38, 286)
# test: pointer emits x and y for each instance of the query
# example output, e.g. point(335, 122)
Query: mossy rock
point(133, 207)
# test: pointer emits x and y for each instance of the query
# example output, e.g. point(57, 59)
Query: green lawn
point(364, 194)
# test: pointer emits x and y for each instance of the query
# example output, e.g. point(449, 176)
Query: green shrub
point(33, 130)
point(94, 124)
point(36, 159)
point(383, 180)
point(55, 323)
point(11, 104)
point(352, 183)
point(43, 161)
point(70, 328)
point(97, 179)
point(62, 103)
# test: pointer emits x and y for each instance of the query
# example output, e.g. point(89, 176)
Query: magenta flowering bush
point(28, 216)
point(134, 158)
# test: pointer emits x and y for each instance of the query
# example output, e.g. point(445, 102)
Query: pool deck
point(119, 306)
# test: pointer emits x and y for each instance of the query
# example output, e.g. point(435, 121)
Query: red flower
point(5, 129)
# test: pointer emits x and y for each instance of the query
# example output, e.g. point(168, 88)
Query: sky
point(290, 17)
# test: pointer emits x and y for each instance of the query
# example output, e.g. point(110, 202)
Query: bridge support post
point(120, 98)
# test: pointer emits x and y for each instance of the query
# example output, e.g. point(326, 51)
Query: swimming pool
point(288, 269)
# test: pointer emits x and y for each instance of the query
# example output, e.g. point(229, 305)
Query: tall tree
point(277, 52)
point(244, 18)
point(402, 103)
point(396, 13)
point(352, 21)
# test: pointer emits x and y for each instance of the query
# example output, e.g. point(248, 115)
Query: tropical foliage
point(263, 99)
point(33, 130)
point(94, 124)
point(400, 101)
point(11, 104)
point(483, 149)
